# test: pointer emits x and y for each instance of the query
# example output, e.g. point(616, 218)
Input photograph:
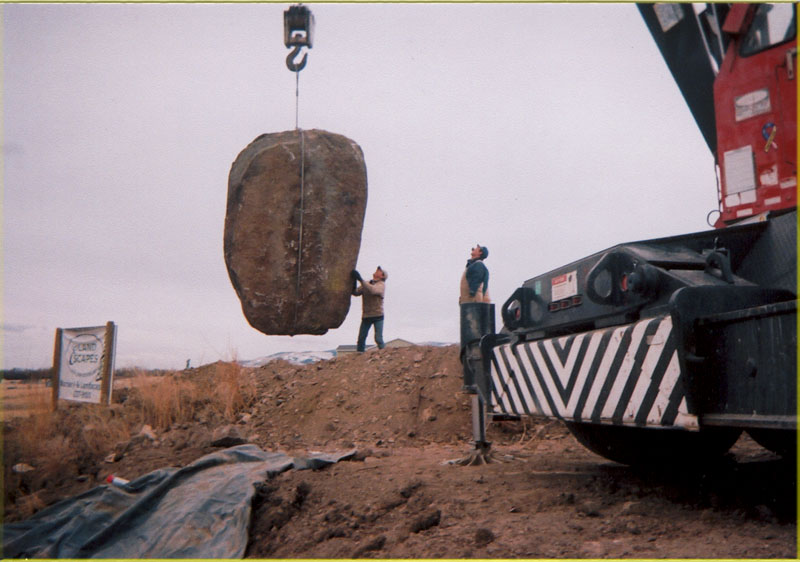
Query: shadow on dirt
point(764, 490)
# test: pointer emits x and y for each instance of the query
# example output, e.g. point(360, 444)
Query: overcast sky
point(544, 132)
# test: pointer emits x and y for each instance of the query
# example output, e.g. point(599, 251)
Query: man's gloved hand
point(356, 275)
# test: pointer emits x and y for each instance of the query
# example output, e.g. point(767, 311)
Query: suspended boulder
point(296, 203)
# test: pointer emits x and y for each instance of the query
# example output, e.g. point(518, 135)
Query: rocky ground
point(403, 496)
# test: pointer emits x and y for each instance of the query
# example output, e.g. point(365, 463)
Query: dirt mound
point(398, 396)
point(545, 496)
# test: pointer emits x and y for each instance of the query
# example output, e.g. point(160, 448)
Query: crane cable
point(300, 233)
point(296, 69)
point(297, 99)
point(298, 19)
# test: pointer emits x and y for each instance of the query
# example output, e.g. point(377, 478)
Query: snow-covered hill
point(294, 357)
point(306, 357)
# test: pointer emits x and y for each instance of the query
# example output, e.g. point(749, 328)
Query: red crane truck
point(667, 349)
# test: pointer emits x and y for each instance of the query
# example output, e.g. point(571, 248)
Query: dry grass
point(30, 504)
point(74, 440)
point(164, 401)
point(232, 388)
point(223, 389)
point(56, 447)
point(25, 398)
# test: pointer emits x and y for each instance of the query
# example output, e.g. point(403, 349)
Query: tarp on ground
point(199, 511)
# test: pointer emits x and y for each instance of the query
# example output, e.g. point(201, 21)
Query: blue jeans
point(376, 321)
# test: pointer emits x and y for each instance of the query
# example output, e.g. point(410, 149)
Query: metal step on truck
point(667, 350)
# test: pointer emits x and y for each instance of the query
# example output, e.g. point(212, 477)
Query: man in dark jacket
point(475, 280)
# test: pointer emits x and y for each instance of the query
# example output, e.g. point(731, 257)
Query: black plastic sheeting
point(199, 511)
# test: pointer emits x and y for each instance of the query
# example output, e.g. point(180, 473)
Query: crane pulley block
point(298, 27)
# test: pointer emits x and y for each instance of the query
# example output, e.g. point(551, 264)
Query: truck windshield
point(772, 24)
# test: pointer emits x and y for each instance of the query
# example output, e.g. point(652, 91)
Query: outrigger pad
point(481, 454)
point(295, 210)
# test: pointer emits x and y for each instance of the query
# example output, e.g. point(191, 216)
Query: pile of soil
point(405, 496)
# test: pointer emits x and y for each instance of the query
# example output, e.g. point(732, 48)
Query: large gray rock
point(292, 280)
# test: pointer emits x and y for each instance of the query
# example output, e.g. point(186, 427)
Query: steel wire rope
point(302, 195)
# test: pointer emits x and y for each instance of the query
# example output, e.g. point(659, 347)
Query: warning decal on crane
point(564, 286)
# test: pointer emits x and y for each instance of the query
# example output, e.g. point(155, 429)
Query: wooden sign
point(83, 364)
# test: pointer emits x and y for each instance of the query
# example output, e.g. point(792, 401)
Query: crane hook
point(298, 32)
point(291, 64)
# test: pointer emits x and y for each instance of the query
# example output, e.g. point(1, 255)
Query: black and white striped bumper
point(625, 375)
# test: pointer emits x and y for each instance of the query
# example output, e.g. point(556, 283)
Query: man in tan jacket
point(371, 293)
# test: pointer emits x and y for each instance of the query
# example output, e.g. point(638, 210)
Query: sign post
point(83, 364)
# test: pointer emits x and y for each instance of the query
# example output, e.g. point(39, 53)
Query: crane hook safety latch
point(298, 32)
